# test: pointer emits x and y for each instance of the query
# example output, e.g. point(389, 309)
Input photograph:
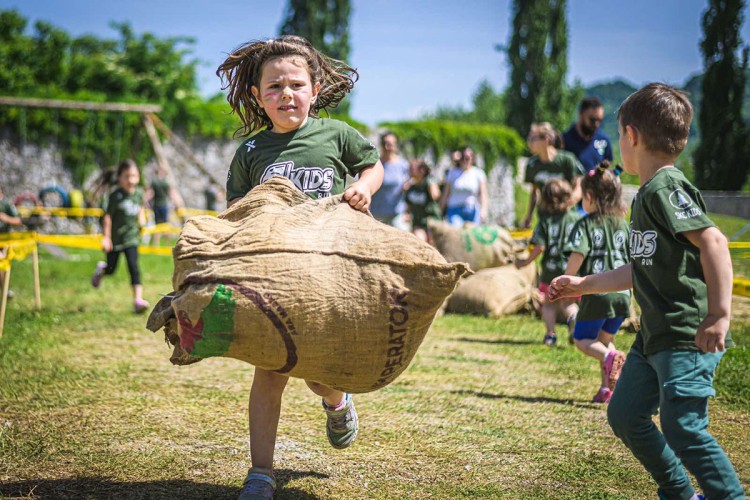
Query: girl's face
point(415, 171)
point(129, 179)
point(588, 203)
point(286, 93)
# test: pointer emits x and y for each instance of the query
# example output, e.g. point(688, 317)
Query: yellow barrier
point(739, 244)
point(163, 228)
point(521, 234)
point(26, 212)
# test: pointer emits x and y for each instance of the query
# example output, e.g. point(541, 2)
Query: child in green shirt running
point(277, 87)
point(681, 274)
point(124, 215)
point(599, 243)
point(557, 218)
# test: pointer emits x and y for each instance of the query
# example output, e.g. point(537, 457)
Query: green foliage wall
point(493, 142)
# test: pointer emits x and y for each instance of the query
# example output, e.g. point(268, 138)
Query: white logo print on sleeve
point(680, 200)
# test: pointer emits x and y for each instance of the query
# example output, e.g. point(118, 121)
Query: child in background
point(8, 217)
point(121, 226)
point(556, 220)
point(422, 195)
point(281, 84)
point(681, 273)
point(598, 244)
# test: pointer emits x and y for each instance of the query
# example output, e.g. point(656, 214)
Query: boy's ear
point(256, 94)
point(633, 135)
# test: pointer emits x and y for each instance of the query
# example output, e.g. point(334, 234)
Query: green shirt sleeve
point(528, 176)
point(574, 167)
point(358, 152)
point(680, 208)
point(539, 237)
point(238, 178)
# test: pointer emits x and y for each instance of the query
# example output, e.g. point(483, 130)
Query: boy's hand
point(565, 286)
point(711, 333)
point(107, 244)
point(358, 196)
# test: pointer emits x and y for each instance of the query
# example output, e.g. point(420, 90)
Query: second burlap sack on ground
point(310, 289)
point(494, 292)
point(479, 246)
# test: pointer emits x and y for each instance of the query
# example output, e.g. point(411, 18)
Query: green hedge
point(493, 142)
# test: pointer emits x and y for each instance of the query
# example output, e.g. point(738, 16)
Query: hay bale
point(307, 288)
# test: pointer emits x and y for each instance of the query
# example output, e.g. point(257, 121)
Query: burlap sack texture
point(479, 246)
point(308, 288)
point(493, 292)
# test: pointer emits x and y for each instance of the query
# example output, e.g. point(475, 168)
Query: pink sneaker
point(612, 367)
point(141, 306)
point(96, 278)
point(603, 396)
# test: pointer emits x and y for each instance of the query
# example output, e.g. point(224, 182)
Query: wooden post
point(184, 149)
point(6, 285)
point(161, 159)
point(37, 287)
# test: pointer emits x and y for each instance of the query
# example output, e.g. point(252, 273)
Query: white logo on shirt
point(619, 240)
point(601, 146)
point(643, 244)
point(554, 231)
point(250, 145)
point(307, 179)
point(598, 238)
point(679, 199)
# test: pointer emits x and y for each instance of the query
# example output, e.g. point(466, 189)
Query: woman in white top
point(465, 196)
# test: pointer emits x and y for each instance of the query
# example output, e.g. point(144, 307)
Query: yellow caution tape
point(17, 249)
point(522, 234)
point(163, 228)
point(190, 212)
point(741, 286)
point(27, 212)
point(739, 244)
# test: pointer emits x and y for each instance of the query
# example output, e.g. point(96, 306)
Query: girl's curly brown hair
point(556, 196)
point(243, 68)
point(605, 188)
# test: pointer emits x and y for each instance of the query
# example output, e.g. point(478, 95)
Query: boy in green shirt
point(681, 273)
point(8, 217)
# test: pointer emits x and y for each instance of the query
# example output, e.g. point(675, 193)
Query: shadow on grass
point(96, 488)
point(498, 341)
point(528, 399)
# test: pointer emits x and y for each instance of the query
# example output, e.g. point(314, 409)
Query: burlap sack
point(492, 292)
point(310, 289)
point(479, 246)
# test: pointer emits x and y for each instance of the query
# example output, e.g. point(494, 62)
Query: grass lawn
point(90, 407)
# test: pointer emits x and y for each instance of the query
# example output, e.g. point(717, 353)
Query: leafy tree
point(538, 66)
point(721, 158)
point(325, 24)
point(488, 106)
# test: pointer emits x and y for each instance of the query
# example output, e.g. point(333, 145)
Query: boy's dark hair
point(662, 114)
point(590, 103)
point(423, 166)
point(243, 68)
point(556, 196)
point(604, 186)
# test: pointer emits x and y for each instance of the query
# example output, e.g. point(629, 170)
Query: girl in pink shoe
point(124, 216)
point(599, 243)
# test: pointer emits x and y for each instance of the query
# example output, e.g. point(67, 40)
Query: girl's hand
point(107, 244)
point(358, 196)
point(565, 286)
point(711, 333)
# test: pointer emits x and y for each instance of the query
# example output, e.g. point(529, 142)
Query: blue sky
point(414, 56)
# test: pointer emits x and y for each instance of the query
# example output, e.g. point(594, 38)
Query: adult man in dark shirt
point(584, 138)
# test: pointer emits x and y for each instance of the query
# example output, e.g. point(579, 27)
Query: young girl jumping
point(599, 243)
point(556, 220)
point(121, 226)
point(281, 84)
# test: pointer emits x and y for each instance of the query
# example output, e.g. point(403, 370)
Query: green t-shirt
point(552, 231)
point(421, 205)
point(7, 208)
point(161, 192)
point(564, 165)
point(667, 274)
point(123, 208)
point(316, 158)
point(603, 242)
